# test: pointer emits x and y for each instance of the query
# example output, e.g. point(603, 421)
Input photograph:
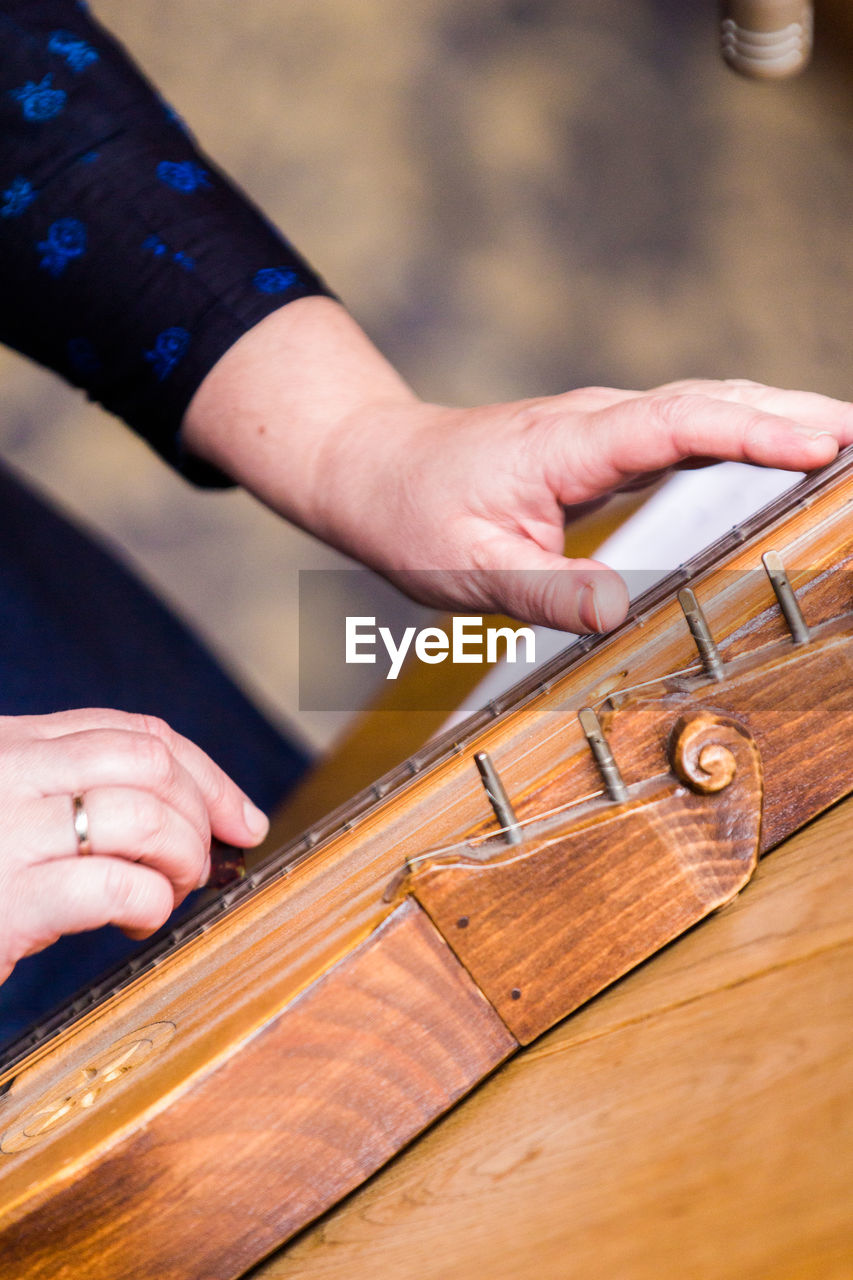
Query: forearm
point(274, 410)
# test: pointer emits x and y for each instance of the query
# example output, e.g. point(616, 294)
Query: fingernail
point(590, 614)
point(812, 433)
point(258, 823)
point(604, 602)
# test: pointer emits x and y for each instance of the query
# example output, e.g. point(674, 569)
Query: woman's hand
point(465, 508)
point(151, 801)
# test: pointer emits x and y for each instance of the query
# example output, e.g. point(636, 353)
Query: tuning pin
point(781, 584)
point(701, 633)
point(608, 767)
point(498, 798)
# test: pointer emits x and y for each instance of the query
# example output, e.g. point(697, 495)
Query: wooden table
point(693, 1121)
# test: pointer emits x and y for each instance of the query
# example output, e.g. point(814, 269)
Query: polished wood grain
point(546, 924)
point(694, 1120)
point(312, 1105)
point(794, 700)
point(251, 966)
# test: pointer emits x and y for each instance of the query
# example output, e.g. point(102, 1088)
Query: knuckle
point(548, 593)
point(102, 751)
point(119, 887)
point(107, 718)
point(531, 416)
point(746, 385)
point(133, 721)
point(676, 415)
point(215, 786)
point(148, 821)
point(753, 426)
point(674, 410)
point(680, 386)
point(485, 559)
point(145, 901)
point(158, 728)
point(154, 759)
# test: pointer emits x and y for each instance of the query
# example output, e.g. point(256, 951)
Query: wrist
point(275, 410)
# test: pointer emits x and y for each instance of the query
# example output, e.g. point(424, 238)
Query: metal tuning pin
point(781, 584)
point(608, 767)
point(701, 633)
point(498, 798)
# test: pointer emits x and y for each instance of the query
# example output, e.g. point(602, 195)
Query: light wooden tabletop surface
point(692, 1121)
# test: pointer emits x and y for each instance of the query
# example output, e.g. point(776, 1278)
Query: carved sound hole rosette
point(583, 898)
point(82, 1089)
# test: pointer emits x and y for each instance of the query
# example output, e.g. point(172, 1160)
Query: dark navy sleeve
point(128, 262)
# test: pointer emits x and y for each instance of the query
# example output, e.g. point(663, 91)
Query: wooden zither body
point(191, 1114)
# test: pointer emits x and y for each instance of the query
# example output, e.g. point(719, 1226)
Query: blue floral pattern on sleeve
point(66, 240)
point(154, 245)
point(183, 175)
point(17, 197)
point(169, 347)
point(130, 263)
point(77, 53)
point(40, 101)
point(274, 279)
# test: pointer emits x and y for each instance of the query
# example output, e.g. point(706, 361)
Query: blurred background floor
point(514, 197)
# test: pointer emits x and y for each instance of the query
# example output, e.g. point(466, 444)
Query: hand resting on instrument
point(452, 503)
point(152, 800)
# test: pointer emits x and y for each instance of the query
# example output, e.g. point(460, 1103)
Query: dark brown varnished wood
point(546, 924)
point(309, 1107)
point(796, 701)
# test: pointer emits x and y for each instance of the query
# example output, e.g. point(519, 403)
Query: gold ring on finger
point(81, 824)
